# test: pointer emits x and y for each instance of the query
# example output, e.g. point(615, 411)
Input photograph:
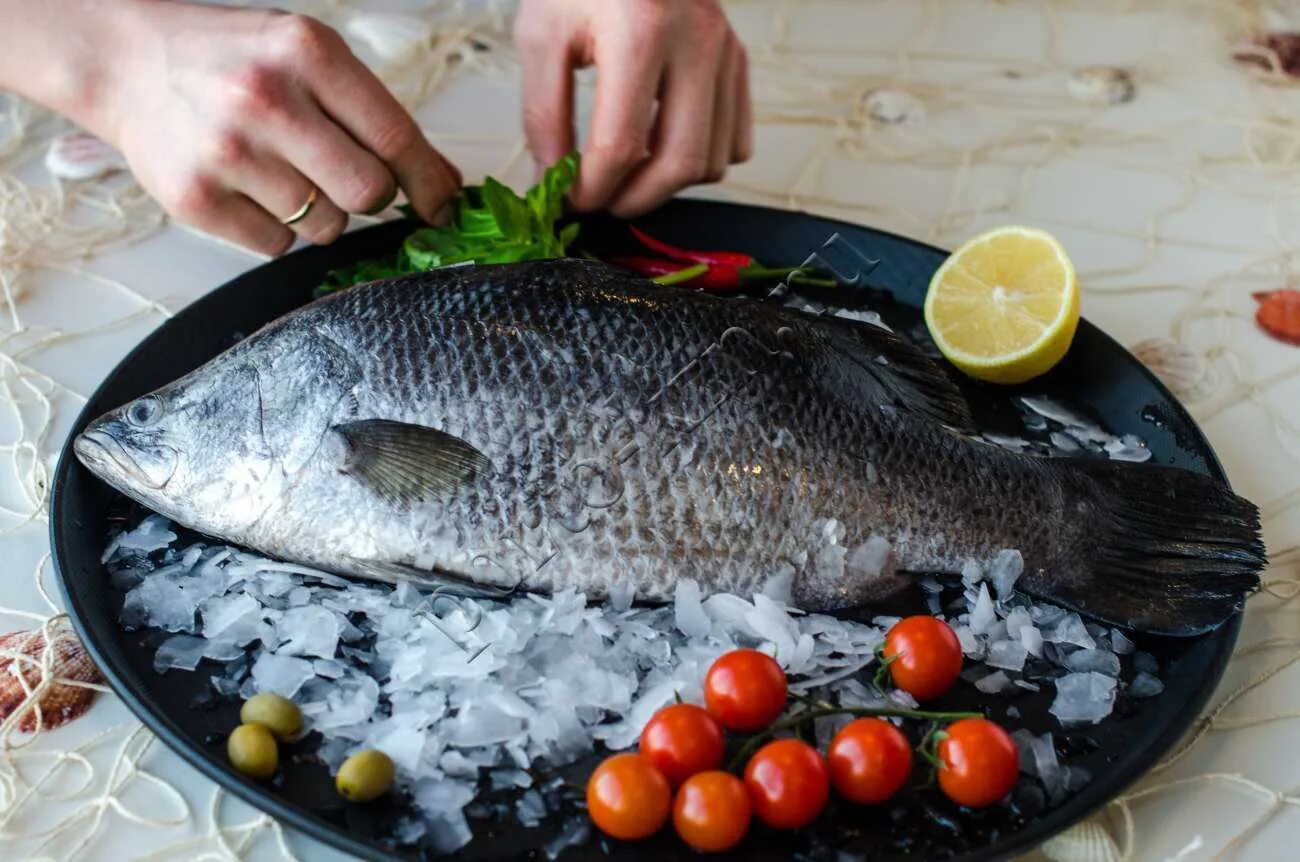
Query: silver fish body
point(562, 424)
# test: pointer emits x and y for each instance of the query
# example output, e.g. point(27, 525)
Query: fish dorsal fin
point(905, 377)
point(405, 463)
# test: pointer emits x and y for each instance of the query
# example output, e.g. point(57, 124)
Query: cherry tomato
point(712, 811)
point(681, 740)
point(628, 798)
point(869, 760)
point(787, 783)
point(926, 656)
point(978, 762)
point(745, 690)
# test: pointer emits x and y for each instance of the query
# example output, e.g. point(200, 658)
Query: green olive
point(277, 714)
point(364, 776)
point(252, 751)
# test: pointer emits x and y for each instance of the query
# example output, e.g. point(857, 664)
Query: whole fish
point(562, 423)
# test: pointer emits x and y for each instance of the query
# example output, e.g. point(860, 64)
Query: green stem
point(825, 709)
point(681, 275)
point(793, 274)
point(812, 281)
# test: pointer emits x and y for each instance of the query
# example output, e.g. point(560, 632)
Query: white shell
point(894, 106)
point(390, 38)
point(1084, 842)
point(82, 156)
point(1102, 85)
point(1185, 373)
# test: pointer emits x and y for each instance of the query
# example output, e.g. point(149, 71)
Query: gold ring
point(302, 210)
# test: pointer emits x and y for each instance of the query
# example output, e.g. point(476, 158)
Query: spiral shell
point(22, 654)
point(1184, 372)
point(1084, 842)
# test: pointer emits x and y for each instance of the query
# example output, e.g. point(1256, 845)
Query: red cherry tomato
point(745, 690)
point(628, 798)
point(787, 783)
point(925, 656)
point(869, 760)
point(712, 811)
point(681, 740)
point(978, 762)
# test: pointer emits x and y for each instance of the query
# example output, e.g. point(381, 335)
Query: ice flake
point(183, 652)
point(153, 534)
point(983, 615)
point(308, 631)
point(1004, 572)
point(1083, 698)
point(691, 619)
point(995, 683)
point(231, 617)
point(530, 808)
point(1145, 685)
point(280, 674)
point(1071, 630)
point(1120, 642)
point(1099, 660)
point(1008, 655)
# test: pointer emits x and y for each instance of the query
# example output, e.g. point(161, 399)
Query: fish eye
point(145, 411)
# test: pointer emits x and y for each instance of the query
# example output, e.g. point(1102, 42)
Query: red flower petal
point(1279, 314)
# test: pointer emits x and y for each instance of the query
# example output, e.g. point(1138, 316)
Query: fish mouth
point(105, 456)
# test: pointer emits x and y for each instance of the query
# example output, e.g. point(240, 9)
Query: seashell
point(60, 703)
point(1185, 373)
point(82, 156)
point(1083, 842)
point(1102, 85)
point(894, 106)
point(391, 38)
point(1278, 50)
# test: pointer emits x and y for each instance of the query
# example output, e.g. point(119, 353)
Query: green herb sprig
point(489, 224)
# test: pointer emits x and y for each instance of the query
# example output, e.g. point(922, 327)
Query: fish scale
point(561, 424)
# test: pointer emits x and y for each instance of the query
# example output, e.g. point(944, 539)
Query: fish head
point(193, 450)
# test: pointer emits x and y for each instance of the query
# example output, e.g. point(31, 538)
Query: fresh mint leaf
point(490, 224)
point(509, 210)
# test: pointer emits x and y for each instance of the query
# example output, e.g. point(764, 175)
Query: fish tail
point(1155, 548)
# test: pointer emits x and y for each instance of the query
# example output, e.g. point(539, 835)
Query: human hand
point(230, 117)
point(681, 54)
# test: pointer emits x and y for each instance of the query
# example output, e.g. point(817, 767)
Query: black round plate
point(1097, 376)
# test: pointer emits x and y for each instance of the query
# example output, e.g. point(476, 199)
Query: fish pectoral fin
point(406, 463)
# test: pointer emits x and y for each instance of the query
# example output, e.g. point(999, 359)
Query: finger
point(227, 214)
point(282, 190)
point(743, 146)
point(622, 115)
point(724, 115)
point(682, 137)
point(547, 99)
point(351, 95)
point(344, 172)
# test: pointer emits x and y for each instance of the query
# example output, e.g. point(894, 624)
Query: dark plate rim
point(264, 798)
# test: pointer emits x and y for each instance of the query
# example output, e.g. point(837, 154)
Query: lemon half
point(1004, 306)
